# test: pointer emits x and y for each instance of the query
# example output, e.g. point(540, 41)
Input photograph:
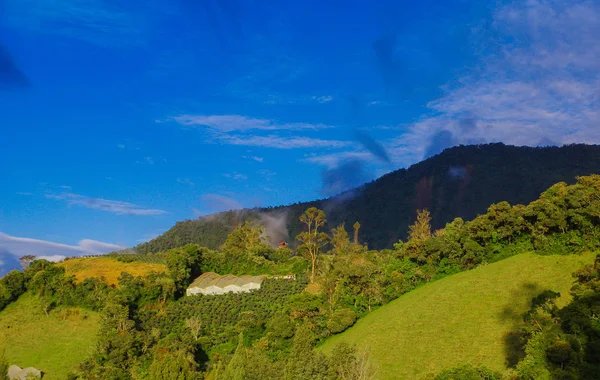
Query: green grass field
point(470, 317)
point(53, 344)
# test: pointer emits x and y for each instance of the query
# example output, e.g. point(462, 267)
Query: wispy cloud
point(333, 159)
point(280, 142)
point(23, 193)
point(185, 181)
point(149, 160)
point(94, 21)
point(115, 207)
point(323, 99)
point(217, 203)
point(236, 176)
point(239, 123)
point(19, 246)
point(542, 84)
point(254, 158)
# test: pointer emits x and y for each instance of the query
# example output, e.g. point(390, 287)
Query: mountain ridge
point(459, 182)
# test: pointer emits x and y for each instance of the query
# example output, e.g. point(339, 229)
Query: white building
point(211, 283)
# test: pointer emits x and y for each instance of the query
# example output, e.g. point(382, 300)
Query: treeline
point(460, 182)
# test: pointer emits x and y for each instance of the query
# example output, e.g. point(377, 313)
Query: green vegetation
point(55, 344)
point(149, 329)
point(469, 317)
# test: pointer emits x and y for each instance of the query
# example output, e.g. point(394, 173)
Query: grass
point(470, 317)
point(108, 268)
point(53, 344)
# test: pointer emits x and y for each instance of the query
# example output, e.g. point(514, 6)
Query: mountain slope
point(468, 317)
point(459, 182)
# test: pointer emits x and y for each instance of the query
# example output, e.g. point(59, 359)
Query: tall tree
point(312, 240)
point(26, 260)
point(356, 227)
point(236, 369)
point(421, 230)
point(339, 239)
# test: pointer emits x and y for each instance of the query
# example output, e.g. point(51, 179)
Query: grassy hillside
point(459, 182)
point(468, 317)
point(54, 343)
point(110, 269)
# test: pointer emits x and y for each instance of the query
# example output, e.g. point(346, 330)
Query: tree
point(339, 239)
point(421, 229)
point(244, 238)
point(236, 370)
point(312, 240)
point(26, 260)
point(177, 365)
point(304, 363)
point(356, 228)
point(195, 325)
point(349, 364)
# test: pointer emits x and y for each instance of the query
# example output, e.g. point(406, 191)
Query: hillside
point(459, 182)
point(54, 344)
point(468, 317)
point(108, 268)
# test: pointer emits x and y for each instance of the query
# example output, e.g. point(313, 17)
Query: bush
point(341, 320)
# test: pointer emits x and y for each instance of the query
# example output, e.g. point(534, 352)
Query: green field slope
point(53, 344)
point(469, 317)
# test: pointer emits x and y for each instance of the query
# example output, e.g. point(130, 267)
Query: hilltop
point(471, 317)
point(459, 182)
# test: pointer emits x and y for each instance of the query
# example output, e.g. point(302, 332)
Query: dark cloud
point(372, 146)
point(10, 75)
point(440, 141)
point(347, 175)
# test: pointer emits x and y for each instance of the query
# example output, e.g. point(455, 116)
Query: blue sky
point(120, 118)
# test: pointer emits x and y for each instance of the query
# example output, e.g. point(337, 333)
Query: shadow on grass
point(514, 342)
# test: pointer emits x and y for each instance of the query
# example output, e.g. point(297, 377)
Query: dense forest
point(150, 330)
point(459, 182)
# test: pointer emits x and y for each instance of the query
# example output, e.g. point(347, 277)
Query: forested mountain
point(459, 182)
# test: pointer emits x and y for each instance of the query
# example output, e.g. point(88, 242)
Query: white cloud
point(23, 193)
point(255, 158)
point(332, 160)
point(323, 99)
point(149, 160)
point(542, 85)
point(121, 146)
point(239, 123)
point(19, 246)
point(185, 181)
point(279, 142)
point(236, 176)
point(115, 207)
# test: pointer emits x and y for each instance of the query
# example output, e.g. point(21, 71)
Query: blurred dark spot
point(440, 141)
point(372, 146)
point(10, 75)
point(347, 175)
